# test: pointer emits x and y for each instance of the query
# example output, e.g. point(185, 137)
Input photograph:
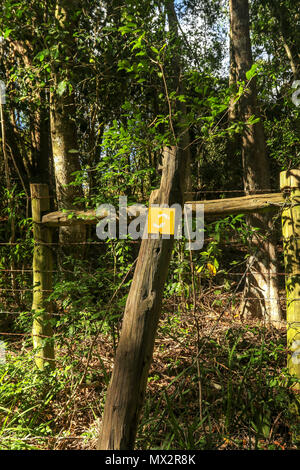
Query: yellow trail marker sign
point(161, 220)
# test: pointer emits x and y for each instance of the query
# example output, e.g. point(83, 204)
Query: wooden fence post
point(290, 183)
point(42, 332)
point(125, 394)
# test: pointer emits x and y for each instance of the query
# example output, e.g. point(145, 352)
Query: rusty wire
point(227, 273)
point(46, 437)
point(219, 191)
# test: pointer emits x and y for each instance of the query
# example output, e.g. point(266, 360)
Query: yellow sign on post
point(161, 220)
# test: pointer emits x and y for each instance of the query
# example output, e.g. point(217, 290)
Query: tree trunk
point(287, 35)
point(63, 126)
point(40, 141)
point(36, 163)
point(261, 296)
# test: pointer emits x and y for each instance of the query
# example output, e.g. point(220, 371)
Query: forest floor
point(216, 382)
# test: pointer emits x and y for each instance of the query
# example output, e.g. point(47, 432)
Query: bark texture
point(212, 208)
point(261, 290)
point(63, 123)
point(134, 353)
point(290, 183)
point(42, 331)
point(289, 36)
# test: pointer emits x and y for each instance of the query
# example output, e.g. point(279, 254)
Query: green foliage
point(26, 396)
point(211, 261)
point(126, 110)
point(243, 397)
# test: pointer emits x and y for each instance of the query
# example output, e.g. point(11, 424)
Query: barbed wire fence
point(17, 338)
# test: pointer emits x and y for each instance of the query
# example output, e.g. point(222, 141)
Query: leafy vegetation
point(218, 380)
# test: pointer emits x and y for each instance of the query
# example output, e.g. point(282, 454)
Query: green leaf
point(61, 87)
point(7, 33)
point(154, 50)
point(252, 72)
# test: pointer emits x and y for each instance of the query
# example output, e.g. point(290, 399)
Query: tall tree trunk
point(32, 166)
point(283, 17)
point(40, 141)
point(63, 125)
point(9, 189)
point(134, 353)
point(261, 290)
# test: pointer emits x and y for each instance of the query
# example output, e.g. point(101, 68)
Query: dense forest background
point(94, 90)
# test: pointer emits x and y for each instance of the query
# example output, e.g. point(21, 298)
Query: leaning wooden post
point(42, 332)
point(290, 184)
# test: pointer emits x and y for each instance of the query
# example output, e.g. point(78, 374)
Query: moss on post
point(290, 184)
point(42, 332)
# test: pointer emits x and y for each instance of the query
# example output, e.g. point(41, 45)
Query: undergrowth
point(242, 398)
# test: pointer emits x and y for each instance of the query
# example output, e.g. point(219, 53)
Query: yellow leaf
point(211, 269)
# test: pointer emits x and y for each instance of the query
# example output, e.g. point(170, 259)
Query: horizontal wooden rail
point(236, 205)
point(59, 218)
point(216, 207)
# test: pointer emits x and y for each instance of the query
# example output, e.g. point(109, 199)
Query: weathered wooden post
point(290, 184)
point(42, 332)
